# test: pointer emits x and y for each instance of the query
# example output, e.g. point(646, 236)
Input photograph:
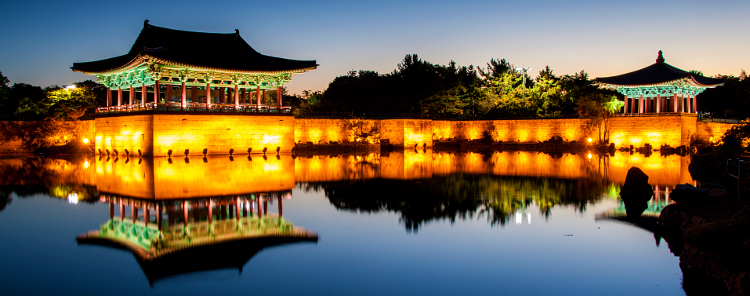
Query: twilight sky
point(40, 40)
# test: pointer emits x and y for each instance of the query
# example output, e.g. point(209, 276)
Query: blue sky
point(40, 40)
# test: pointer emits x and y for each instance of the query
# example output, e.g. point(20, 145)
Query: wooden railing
point(193, 107)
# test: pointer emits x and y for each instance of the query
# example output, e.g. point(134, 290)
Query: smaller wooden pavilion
point(193, 71)
point(659, 88)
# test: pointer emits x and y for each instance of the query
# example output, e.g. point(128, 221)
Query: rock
point(636, 192)
point(686, 193)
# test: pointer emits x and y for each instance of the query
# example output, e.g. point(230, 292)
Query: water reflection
point(182, 236)
point(496, 184)
point(179, 216)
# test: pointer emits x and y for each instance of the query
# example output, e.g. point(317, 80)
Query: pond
point(402, 223)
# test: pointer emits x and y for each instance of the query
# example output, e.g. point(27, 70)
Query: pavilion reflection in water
point(179, 217)
point(176, 236)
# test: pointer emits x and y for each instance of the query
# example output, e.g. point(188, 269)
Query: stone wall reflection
point(165, 178)
point(663, 171)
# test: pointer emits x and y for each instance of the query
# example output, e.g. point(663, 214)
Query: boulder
point(636, 192)
point(686, 193)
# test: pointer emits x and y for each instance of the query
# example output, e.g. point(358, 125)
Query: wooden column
point(257, 97)
point(185, 212)
point(168, 95)
point(260, 206)
point(144, 95)
point(156, 91)
point(236, 96)
point(263, 97)
point(158, 216)
point(242, 96)
point(210, 211)
point(109, 97)
point(237, 213)
point(683, 103)
point(131, 95)
point(184, 95)
point(122, 211)
point(674, 102)
point(208, 96)
point(625, 108)
point(222, 96)
point(119, 96)
point(695, 103)
point(111, 209)
point(194, 94)
point(641, 105)
point(278, 96)
point(134, 211)
point(146, 217)
point(658, 103)
point(281, 205)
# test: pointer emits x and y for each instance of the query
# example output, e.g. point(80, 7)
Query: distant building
point(659, 88)
point(179, 70)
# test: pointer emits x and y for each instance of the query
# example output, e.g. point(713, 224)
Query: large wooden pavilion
point(659, 88)
point(179, 70)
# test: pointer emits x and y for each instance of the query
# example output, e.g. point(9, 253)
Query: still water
point(412, 223)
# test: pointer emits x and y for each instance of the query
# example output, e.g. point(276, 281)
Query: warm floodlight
point(85, 140)
point(70, 87)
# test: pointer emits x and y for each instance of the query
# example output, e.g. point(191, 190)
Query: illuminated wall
point(399, 132)
point(221, 133)
point(157, 178)
point(125, 132)
point(521, 130)
point(711, 132)
point(674, 130)
point(157, 134)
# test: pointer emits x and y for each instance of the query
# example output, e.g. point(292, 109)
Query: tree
point(496, 69)
point(737, 138)
point(598, 108)
point(6, 104)
point(23, 101)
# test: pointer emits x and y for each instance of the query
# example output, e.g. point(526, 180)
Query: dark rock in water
point(636, 192)
point(686, 193)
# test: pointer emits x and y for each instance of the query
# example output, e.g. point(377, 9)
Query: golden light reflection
point(163, 178)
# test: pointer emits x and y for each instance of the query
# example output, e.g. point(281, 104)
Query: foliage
point(417, 88)
point(730, 100)
point(737, 138)
point(6, 103)
point(598, 108)
point(361, 130)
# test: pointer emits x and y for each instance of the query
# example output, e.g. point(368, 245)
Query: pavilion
point(659, 88)
point(193, 71)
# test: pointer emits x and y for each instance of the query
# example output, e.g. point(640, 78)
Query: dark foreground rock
point(712, 239)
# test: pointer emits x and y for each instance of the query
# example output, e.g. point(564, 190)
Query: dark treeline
point(25, 102)
point(459, 196)
point(417, 88)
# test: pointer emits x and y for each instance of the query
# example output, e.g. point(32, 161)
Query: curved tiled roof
point(658, 74)
point(215, 51)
